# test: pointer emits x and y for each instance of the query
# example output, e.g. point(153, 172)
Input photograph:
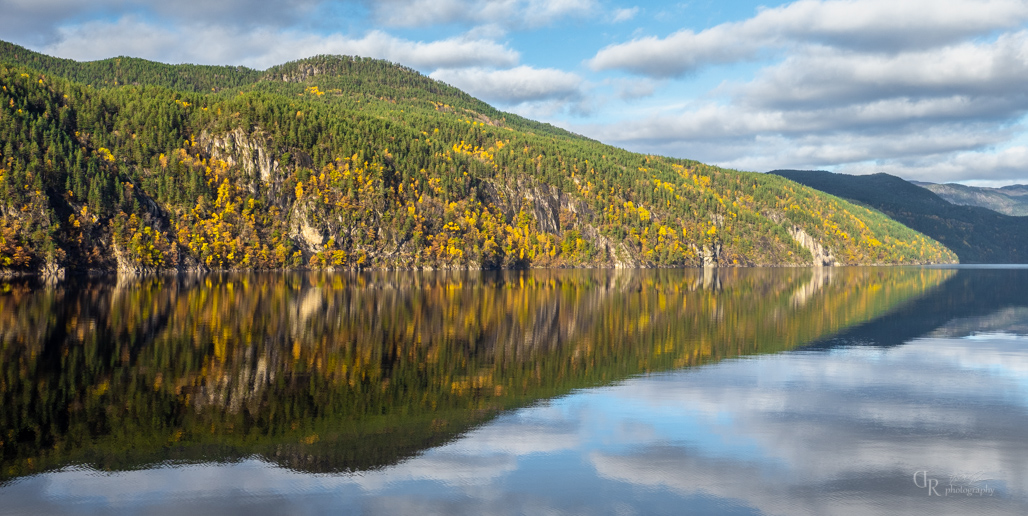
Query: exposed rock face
point(822, 256)
point(621, 257)
point(556, 212)
point(304, 232)
point(301, 72)
point(710, 255)
point(249, 151)
point(553, 210)
point(546, 203)
point(252, 154)
point(52, 271)
point(126, 266)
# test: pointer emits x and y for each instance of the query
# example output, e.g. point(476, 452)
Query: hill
point(121, 71)
point(346, 162)
point(976, 235)
point(1008, 200)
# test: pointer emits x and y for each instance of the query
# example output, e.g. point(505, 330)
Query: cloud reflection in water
point(828, 432)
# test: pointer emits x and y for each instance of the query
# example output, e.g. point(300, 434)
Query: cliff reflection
point(325, 372)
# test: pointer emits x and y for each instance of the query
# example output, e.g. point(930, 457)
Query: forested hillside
point(340, 162)
point(976, 235)
point(1008, 200)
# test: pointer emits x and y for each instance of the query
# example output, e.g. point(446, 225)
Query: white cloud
point(763, 141)
point(916, 113)
point(261, 48)
point(943, 117)
point(847, 439)
point(675, 55)
point(854, 24)
point(36, 22)
point(623, 15)
point(452, 52)
point(1006, 166)
point(508, 13)
point(536, 93)
point(826, 76)
point(888, 24)
point(836, 432)
point(635, 88)
point(515, 85)
point(914, 87)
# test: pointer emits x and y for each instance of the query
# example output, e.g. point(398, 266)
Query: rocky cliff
point(351, 163)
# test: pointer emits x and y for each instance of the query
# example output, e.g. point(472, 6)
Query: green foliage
point(342, 162)
point(976, 235)
point(120, 71)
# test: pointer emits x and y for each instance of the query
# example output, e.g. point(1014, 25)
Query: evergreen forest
point(338, 162)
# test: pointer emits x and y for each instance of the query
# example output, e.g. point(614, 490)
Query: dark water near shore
point(777, 391)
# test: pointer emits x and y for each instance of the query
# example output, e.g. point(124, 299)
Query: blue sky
point(927, 90)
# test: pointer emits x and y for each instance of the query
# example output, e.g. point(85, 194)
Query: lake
point(856, 390)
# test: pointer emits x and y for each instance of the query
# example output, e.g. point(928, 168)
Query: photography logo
point(958, 485)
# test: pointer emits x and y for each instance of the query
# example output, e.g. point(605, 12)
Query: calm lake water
point(778, 391)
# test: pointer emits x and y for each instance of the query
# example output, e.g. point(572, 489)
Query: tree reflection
point(332, 372)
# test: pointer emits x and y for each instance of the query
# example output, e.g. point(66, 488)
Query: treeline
point(975, 234)
point(121, 71)
point(341, 162)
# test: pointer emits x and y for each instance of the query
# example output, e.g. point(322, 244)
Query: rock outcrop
point(821, 255)
point(248, 151)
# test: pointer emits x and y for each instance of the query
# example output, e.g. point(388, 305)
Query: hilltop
point(975, 234)
point(348, 162)
point(1008, 200)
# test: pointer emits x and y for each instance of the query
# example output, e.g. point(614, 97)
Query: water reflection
point(966, 300)
point(464, 394)
point(327, 373)
point(808, 433)
point(844, 432)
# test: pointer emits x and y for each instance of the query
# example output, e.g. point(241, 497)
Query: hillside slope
point(339, 162)
point(976, 235)
point(1008, 200)
point(121, 71)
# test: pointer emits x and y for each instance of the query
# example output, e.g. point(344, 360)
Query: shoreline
point(62, 274)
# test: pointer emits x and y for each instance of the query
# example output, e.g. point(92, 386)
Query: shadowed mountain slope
point(976, 235)
point(1009, 200)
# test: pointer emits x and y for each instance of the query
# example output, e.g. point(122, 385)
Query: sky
point(929, 90)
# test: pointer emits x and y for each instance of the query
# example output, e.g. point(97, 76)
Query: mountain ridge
point(1009, 200)
point(357, 163)
point(975, 234)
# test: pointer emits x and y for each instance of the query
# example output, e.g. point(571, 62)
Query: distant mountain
point(977, 235)
point(1015, 190)
point(1009, 200)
